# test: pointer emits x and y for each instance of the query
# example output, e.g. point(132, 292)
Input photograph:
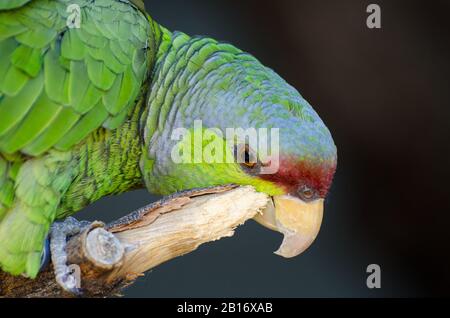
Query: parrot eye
point(306, 193)
point(246, 157)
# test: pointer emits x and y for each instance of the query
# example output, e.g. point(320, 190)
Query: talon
point(70, 283)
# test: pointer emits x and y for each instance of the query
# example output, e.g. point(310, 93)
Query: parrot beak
point(299, 221)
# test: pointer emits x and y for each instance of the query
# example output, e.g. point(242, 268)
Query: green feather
point(116, 121)
point(7, 194)
point(72, 47)
point(139, 62)
point(140, 33)
point(7, 31)
point(120, 93)
point(65, 120)
point(84, 127)
point(92, 40)
point(83, 94)
point(124, 30)
point(11, 4)
point(13, 81)
point(37, 37)
point(27, 59)
point(111, 27)
point(116, 49)
point(3, 167)
point(7, 47)
point(37, 120)
point(14, 169)
point(13, 109)
point(108, 58)
point(99, 74)
point(56, 78)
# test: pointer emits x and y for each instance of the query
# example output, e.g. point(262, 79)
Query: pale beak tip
point(284, 254)
point(293, 245)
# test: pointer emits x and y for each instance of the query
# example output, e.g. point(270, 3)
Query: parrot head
point(243, 124)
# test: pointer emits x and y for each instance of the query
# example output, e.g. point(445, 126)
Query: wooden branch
point(110, 257)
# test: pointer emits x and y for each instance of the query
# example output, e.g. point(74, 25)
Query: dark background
point(384, 94)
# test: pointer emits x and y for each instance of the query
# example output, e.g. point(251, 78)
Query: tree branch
point(110, 257)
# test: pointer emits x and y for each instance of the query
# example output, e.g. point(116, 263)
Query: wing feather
point(62, 83)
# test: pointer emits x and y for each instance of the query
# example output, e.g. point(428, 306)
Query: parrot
point(91, 92)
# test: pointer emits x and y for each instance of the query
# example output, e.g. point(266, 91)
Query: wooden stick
point(110, 257)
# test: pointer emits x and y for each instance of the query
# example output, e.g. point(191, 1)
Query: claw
point(67, 276)
point(70, 282)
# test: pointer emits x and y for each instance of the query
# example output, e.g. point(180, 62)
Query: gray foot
point(65, 275)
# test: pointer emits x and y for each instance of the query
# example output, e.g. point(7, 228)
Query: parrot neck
point(107, 163)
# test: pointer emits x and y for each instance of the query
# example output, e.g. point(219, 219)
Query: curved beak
point(299, 221)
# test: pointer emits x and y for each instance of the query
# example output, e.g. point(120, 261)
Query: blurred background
point(384, 94)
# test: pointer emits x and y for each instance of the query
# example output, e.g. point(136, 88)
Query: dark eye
point(306, 193)
point(246, 157)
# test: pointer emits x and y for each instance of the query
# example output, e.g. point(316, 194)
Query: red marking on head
point(292, 174)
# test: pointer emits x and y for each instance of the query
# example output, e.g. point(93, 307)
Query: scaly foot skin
point(59, 233)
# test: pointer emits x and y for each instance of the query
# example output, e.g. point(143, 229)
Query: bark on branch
point(110, 257)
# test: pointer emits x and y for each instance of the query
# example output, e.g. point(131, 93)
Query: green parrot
point(91, 92)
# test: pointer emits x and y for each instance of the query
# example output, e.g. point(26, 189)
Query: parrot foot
point(65, 275)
